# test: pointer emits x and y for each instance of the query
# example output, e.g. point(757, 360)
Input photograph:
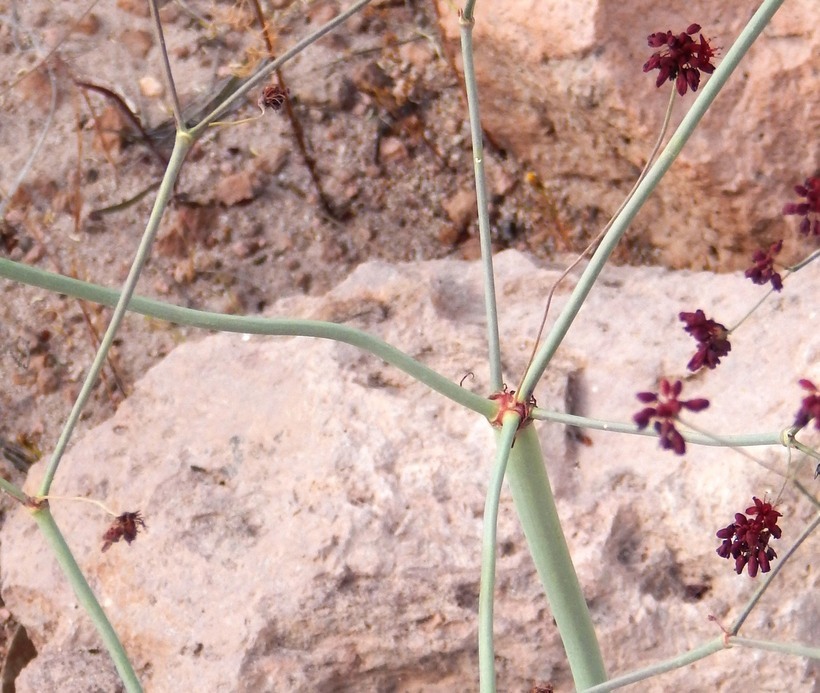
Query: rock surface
point(562, 83)
point(314, 516)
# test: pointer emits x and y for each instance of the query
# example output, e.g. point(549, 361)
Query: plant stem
point(288, 327)
point(181, 146)
point(795, 649)
point(676, 143)
point(676, 662)
point(467, 22)
point(166, 66)
point(13, 491)
point(486, 651)
point(535, 506)
point(45, 521)
point(734, 440)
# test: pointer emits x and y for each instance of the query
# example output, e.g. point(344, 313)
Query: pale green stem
point(676, 662)
point(490, 306)
point(805, 449)
point(181, 146)
point(795, 649)
point(735, 440)
point(166, 66)
point(800, 265)
point(535, 506)
point(85, 596)
point(701, 652)
point(14, 492)
point(289, 327)
point(603, 231)
point(791, 270)
point(486, 651)
point(676, 143)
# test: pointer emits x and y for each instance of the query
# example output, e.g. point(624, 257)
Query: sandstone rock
point(561, 87)
point(314, 516)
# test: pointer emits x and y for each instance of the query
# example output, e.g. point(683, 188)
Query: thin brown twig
point(98, 130)
point(296, 125)
point(130, 116)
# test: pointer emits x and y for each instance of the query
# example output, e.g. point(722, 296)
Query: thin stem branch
point(800, 265)
point(734, 440)
point(181, 146)
point(166, 66)
point(493, 340)
point(676, 662)
point(794, 649)
point(602, 233)
point(489, 547)
point(74, 574)
point(14, 492)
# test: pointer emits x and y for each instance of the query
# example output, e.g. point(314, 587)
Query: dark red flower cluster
point(665, 413)
point(125, 526)
point(810, 209)
point(747, 538)
point(682, 58)
point(712, 339)
point(810, 407)
point(762, 271)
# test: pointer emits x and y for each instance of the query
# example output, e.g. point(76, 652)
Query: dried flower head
point(810, 209)
point(126, 526)
point(712, 339)
point(810, 406)
point(666, 412)
point(681, 59)
point(762, 271)
point(273, 97)
point(747, 538)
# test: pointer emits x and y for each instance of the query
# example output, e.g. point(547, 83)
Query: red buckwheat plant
point(747, 538)
point(665, 412)
point(711, 337)
point(810, 407)
point(681, 59)
point(762, 271)
point(810, 209)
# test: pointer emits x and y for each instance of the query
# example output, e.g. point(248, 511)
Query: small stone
point(137, 42)
point(461, 208)
point(151, 87)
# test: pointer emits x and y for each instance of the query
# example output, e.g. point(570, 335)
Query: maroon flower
point(763, 269)
point(747, 538)
point(125, 526)
point(810, 407)
point(810, 209)
point(665, 413)
point(711, 337)
point(681, 59)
